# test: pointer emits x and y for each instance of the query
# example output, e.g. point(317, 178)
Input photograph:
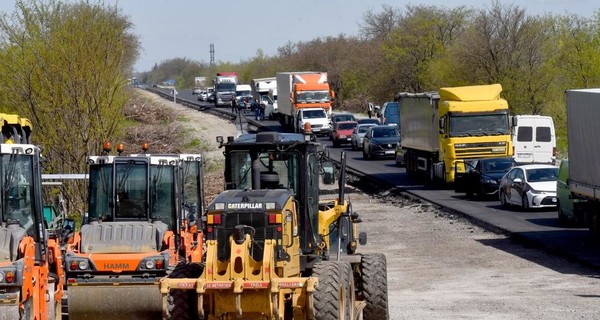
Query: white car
point(356, 140)
point(529, 186)
point(202, 96)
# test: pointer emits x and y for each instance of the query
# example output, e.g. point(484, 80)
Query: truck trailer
point(307, 89)
point(443, 131)
point(583, 116)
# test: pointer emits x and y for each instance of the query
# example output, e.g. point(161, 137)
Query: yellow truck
point(443, 131)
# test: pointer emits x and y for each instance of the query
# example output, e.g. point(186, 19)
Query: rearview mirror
point(329, 173)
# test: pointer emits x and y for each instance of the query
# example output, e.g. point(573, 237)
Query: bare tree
point(65, 66)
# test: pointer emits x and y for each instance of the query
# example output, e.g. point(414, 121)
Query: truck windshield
point(17, 190)
point(162, 193)
point(312, 96)
point(467, 125)
point(282, 168)
point(221, 87)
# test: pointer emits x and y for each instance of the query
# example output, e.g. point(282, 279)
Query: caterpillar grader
point(31, 273)
point(142, 221)
point(274, 250)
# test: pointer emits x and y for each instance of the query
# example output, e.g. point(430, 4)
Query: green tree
point(65, 66)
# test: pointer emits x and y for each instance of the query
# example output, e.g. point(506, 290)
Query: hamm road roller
point(142, 221)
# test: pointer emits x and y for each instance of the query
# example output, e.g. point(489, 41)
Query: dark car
point(211, 97)
point(369, 121)
point(482, 176)
point(380, 142)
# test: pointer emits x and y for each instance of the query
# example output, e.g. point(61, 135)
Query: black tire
point(503, 200)
point(524, 202)
point(182, 303)
point(365, 155)
point(336, 144)
point(331, 299)
point(373, 286)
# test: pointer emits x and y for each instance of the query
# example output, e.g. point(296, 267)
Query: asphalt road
point(539, 228)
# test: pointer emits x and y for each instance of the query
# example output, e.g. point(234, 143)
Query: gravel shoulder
point(442, 267)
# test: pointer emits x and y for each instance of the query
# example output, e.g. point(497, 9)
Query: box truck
point(583, 116)
point(443, 131)
point(306, 89)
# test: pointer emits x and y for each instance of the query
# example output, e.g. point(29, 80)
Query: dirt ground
point(442, 267)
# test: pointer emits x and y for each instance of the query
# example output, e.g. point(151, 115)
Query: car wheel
point(503, 200)
point(469, 192)
point(365, 154)
point(336, 144)
point(524, 202)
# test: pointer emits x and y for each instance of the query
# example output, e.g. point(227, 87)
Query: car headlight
point(489, 181)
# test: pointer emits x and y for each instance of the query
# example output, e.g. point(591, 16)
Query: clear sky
point(238, 28)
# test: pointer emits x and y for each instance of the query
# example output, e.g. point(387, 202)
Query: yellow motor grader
point(273, 249)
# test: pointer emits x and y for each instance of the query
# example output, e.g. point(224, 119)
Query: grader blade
point(114, 302)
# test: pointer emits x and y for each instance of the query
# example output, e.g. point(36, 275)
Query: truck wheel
point(563, 220)
point(373, 286)
point(182, 303)
point(332, 299)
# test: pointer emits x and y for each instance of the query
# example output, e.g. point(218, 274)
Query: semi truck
point(443, 131)
point(307, 89)
point(583, 116)
point(225, 84)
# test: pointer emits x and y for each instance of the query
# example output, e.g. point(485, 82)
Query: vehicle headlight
point(489, 181)
point(83, 265)
point(149, 264)
point(1, 276)
point(535, 191)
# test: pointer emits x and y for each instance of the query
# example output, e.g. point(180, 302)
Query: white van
point(534, 139)
point(318, 119)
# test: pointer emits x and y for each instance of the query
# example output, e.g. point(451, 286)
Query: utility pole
point(212, 54)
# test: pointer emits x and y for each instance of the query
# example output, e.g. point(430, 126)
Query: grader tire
point(332, 297)
point(182, 303)
point(374, 286)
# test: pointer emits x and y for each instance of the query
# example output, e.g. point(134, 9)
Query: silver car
point(358, 135)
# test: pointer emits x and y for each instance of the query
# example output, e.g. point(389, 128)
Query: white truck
point(225, 85)
point(260, 92)
point(583, 117)
point(306, 89)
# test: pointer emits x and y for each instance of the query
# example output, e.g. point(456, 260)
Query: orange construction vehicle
point(31, 283)
point(142, 222)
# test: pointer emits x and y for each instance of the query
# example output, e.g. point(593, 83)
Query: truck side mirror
point(442, 125)
point(514, 121)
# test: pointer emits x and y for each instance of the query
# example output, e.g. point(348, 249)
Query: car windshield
point(497, 166)
point(346, 126)
point(384, 132)
point(363, 129)
point(348, 117)
point(542, 174)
